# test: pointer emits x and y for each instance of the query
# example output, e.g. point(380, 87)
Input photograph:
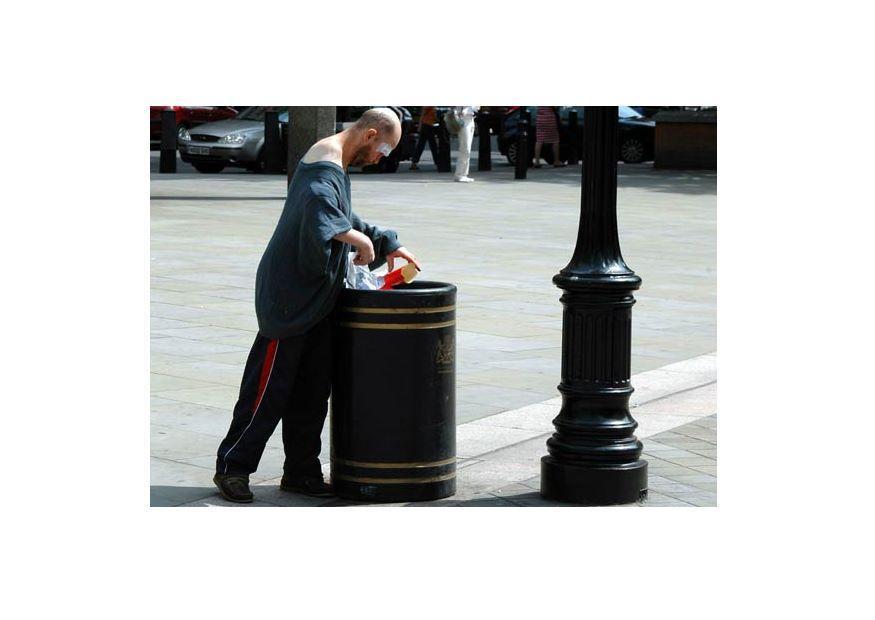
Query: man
point(288, 372)
point(427, 133)
point(466, 137)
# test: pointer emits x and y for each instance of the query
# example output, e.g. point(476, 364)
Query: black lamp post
point(594, 455)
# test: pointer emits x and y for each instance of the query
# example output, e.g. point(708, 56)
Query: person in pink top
point(547, 132)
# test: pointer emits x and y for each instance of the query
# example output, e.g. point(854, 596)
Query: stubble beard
point(361, 157)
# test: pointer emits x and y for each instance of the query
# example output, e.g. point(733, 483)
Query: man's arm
point(361, 243)
point(384, 241)
point(366, 239)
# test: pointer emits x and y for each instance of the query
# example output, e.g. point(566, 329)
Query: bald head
point(373, 136)
point(384, 120)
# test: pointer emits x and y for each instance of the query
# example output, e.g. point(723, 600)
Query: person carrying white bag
point(460, 121)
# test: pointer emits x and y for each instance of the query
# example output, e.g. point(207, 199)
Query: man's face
point(375, 147)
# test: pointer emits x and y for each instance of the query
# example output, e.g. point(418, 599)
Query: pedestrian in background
point(547, 132)
point(427, 132)
point(466, 137)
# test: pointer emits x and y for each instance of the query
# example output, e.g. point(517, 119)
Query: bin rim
point(415, 288)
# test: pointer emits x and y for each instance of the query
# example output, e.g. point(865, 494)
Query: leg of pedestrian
point(432, 143)
point(420, 146)
point(466, 136)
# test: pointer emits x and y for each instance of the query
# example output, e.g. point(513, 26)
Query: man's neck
point(346, 140)
point(337, 148)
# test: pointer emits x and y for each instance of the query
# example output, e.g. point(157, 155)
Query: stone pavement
point(499, 240)
point(498, 462)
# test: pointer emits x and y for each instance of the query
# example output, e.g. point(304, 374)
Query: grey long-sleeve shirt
point(301, 272)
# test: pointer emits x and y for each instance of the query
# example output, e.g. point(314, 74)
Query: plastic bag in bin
point(361, 278)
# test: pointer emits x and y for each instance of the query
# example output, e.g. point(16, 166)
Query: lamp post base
point(593, 485)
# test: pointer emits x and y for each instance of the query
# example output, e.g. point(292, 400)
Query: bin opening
point(360, 278)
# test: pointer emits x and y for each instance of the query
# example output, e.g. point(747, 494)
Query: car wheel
point(511, 154)
point(632, 151)
point(258, 165)
point(208, 167)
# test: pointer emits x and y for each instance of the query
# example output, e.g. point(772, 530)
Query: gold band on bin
point(393, 480)
point(399, 310)
point(409, 465)
point(397, 325)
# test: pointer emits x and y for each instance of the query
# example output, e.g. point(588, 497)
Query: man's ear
point(370, 134)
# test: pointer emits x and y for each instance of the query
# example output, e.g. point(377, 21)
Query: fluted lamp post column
point(594, 455)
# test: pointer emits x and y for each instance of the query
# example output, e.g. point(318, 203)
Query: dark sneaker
point(234, 487)
point(314, 487)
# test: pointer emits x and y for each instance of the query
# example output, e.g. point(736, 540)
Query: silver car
point(235, 142)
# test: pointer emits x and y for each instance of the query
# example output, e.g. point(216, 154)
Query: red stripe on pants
point(265, 372)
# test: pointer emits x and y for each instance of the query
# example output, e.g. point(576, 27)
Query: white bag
point(360, 277)
point(452, 121)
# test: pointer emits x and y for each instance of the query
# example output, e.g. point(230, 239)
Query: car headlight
point(233, 138)
point(183, 134)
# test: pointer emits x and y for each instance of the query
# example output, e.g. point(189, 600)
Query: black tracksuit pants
point(290, 380)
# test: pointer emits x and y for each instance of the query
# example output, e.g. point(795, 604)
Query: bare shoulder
point(326, 149)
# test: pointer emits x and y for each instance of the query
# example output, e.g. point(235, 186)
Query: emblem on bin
point(446, 351)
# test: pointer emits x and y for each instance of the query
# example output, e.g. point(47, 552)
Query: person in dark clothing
point(428, 129)
point(288, 372)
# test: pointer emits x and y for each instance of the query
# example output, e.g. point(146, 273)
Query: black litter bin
point(393, 402)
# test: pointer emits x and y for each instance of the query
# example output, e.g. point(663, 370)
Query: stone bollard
point(167, 163)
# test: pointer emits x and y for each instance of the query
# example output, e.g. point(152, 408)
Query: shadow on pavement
point(174, 496)
point(272, 496)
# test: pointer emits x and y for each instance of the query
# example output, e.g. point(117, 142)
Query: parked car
point(235, 142)
point(348, 115)
point(651, 111)
point(186, 117)
point(240, 142)
point(636, 135)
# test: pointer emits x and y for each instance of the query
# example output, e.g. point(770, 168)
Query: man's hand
point(363, 245)
point(365, 255)
point(401, 253)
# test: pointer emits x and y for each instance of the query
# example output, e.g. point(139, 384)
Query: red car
point(188, 117)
